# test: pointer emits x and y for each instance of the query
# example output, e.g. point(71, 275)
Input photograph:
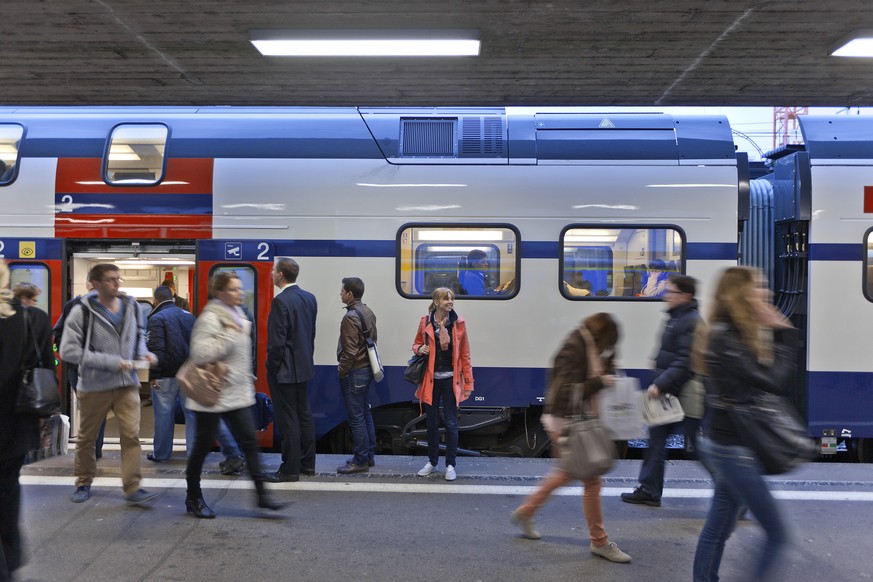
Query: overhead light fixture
point(855, 44)
point(366, 43)
point(122, 153)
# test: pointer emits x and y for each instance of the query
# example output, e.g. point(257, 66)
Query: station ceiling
point(576, 52)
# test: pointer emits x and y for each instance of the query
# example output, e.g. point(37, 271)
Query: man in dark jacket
point(180, 302)
point(672, 371)
point(355, 374)
point(169, 338)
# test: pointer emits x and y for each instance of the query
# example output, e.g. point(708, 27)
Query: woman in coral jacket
point(442, 336)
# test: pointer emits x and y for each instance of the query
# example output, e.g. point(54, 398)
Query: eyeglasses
point(676, 292)
point(118, 280)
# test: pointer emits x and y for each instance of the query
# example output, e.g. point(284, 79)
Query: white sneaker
point(426, 470)
point(450, 473)
point(611, 552)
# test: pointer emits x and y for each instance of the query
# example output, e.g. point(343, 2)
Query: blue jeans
point(442, 389)
point(164, 404)
point(738, 482)
point(652, 469)
point(356, 389)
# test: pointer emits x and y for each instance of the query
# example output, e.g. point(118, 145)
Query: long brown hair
point(5, 294)
point(604, 330)
point(733, 304)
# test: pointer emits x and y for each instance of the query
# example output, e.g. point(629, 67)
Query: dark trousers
point(11, 554)
point(296, 428)
point(356, 387)
point(443, 389)
point(241, 426)
point(652, 469)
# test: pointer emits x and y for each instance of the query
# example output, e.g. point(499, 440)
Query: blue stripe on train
point(836, 252)
point(122, 203)
point(840, 400)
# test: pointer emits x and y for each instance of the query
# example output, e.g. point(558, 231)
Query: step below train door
point(252, 262)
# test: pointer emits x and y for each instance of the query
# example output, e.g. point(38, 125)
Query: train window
point(868, 265)
point(135, 156)
point(10, 140)
point(478, 261)
point(620, 261)
point(249, 280)
point(26, 276)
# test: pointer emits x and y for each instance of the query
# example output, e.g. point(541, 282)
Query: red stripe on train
point(133, 226)
point(85, 176)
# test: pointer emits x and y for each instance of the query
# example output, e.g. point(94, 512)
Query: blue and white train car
point(574, 212)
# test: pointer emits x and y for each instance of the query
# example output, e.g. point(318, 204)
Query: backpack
point(58, 329)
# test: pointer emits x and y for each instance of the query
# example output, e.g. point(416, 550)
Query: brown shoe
point(352, 468)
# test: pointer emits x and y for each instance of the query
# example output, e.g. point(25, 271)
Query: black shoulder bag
point(38, 389)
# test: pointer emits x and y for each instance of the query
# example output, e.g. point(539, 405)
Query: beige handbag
point(202, 384)
point(691, 397)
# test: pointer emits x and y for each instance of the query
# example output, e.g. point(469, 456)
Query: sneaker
point(81, 494)
point(426, 470)
point(232, 466)
point(140, 497)
point(640, 497)
point(451, 475)
point(611, 552)
point(352, 468)
point(526, 525)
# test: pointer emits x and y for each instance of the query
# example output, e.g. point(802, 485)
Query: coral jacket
point(462, 381)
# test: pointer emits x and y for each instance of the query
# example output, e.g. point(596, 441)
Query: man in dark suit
point(290, 365)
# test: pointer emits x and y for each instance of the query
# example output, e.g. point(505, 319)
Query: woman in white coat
point(221, 334)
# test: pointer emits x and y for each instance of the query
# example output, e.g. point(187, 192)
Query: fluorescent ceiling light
point(122, 153)
point(459, 235)
point(856, 44)
point(366, 43)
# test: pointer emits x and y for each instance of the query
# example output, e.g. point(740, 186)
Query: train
point(574, 212)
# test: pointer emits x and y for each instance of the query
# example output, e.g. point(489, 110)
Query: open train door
point(38, 261)
point(252, 261)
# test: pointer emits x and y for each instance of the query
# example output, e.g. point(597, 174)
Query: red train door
point(38, 261)
point(252, 261)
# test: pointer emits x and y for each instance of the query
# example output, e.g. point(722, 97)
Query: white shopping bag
point(620, 411)
point(64, 435)
point(664, 409)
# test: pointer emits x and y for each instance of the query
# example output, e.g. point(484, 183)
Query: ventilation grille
point(427, 138)
point(482, 136)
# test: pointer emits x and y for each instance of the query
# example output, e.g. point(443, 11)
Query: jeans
point(356, 389)
point(652, 469)
point(442, 389)
point(738, 482)
point(226, 443)
point(164, 404)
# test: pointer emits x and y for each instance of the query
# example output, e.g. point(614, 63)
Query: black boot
point(265, 499)
point(198, 507)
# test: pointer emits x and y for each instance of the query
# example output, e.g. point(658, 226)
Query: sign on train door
point(252, 262)
point(38, 262)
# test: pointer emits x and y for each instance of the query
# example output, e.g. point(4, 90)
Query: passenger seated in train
point(580, 287)
point(5, 171)
point(655, 284)
point(472, 279)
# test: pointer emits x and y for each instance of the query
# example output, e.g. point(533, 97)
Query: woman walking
point(20, 329)
point(750, 347)
point(442, 336)
point(221, 334)
point(585, 362)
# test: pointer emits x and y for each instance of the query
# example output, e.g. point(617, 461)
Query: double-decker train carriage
point(535, 217)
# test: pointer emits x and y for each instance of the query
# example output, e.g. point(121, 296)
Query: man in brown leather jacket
point(355, 375)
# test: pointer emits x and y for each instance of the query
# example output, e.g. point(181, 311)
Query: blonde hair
point(439, 294)
point(733, 305)
point(5, 293)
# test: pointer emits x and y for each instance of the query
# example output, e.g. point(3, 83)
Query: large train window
point(10, 140)
point(619, 261)
point(475, 261)
point(27, 278)
point(135, 156)
point(868, 265)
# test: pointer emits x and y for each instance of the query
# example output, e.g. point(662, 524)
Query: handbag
point(691, 397)
point(620, 411)
point(665, 409)
point(416, 366)
point(202, 384)
point(372, 350)
point(587, 449)
point(38, 388)
point(769, 426)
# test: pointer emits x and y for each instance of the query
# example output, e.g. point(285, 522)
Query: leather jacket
point(351, 349)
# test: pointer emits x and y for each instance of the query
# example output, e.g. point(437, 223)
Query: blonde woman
point(20, 329)
point(442, 336)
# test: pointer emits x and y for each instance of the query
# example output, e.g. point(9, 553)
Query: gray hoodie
point(100, 365)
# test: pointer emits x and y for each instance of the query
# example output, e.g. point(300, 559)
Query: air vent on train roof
point(427, 138)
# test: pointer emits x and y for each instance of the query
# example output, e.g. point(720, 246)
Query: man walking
point(169, 338)
point(672, 371)
point(102, 336)
point(290, 365)
point(355, 374)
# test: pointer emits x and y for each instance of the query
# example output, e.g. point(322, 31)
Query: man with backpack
point(105, 351)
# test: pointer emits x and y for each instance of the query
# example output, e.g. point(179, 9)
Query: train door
point(37, 264)
point(252, 262)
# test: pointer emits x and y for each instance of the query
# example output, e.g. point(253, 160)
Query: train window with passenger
point(868, 265)
point(32, 281)
point(475, 261)
point(619, 261)
point(10, 142)
point(135, 156)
